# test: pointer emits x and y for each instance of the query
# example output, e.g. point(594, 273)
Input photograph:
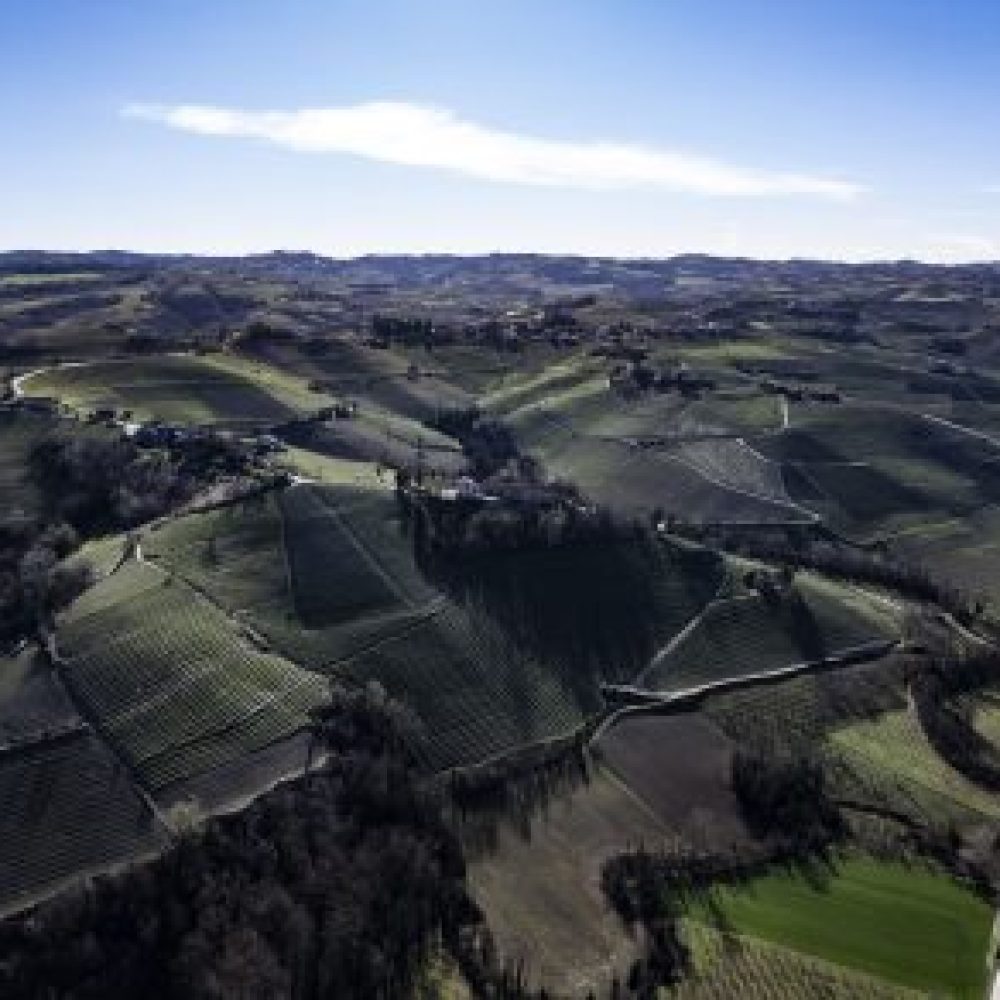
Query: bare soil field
point(679, 765)
point(542, 893)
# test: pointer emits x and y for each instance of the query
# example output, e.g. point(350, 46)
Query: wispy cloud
point(414, 135)
point(991, 189)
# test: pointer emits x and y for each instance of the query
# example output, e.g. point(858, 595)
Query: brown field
point(542, 894)
point(679, 765)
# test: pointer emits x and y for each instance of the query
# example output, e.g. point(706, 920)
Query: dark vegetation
point(935, 684)
point(344, 885)
point(785, 800)
point(816, 548)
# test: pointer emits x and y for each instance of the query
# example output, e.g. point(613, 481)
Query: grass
point(906, 925)
point(28, 280)
point(334, 471)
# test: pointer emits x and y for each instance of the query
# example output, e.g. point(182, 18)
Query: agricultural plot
point(873, 472)
point(66, 808)
point(476, 692)
point(334, 578)
point(594, 612)
point(541, 894)
point(679, 765)
point(727, 965)
point(887, 761)
point(238, 556)
point(795, 716)
point(172, 682)
point(32, 704)
point(733, 464)
point(376, 436)
point(963, 550)
point(186, 390)
point(747, 635)
point(635, 481)
point(906, 925)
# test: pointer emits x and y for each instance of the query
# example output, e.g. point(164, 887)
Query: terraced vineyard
point(727, 965)
point(888, 761)
point(171, 680)
point(476, 693)
point(66, 807)
point(747, 635)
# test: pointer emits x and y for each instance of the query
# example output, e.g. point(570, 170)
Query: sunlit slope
point(172, 681)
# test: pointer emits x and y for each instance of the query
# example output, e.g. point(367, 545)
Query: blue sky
point(762, 127)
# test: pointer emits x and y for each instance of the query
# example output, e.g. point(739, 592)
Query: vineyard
point(172, 681)
point(747, 635)
point(476, 693)
point(727, 965)
point(31, 701)
point(910, 926)
point(334, 579)
point(888, 761)
point(66, 807)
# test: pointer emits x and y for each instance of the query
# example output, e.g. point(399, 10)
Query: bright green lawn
point(903, 924)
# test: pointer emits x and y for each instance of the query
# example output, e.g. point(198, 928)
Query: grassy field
point(745, 635)
point(906, 925)
point(28, 281)
point(172, 681)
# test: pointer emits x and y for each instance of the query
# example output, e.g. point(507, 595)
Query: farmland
point(176, 389)
point(528, 501)
point(178, 690)
point(914, 928)
point(743, 635)
point(67, 808)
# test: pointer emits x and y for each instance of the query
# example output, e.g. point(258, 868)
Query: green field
point(906, 925)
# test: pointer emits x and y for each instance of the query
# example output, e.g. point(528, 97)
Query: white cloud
point(413, 135)
point(991, 189)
